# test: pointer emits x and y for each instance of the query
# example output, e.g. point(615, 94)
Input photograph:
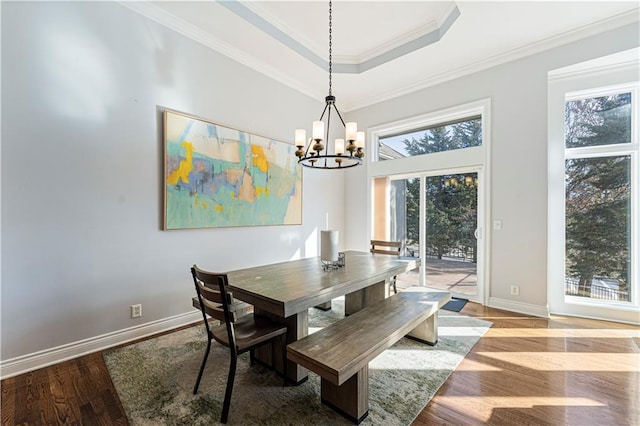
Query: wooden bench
point(340, 354)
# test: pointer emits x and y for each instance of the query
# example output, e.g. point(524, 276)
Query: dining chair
point(387, 247)
point(238, 330)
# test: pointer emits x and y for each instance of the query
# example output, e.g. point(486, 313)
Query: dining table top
point(287, 288)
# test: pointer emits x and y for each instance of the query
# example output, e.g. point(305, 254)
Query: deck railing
point(595, 291)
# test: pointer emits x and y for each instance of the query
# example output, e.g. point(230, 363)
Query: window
point(460, 134)
point(600, 158)
point(593, 241)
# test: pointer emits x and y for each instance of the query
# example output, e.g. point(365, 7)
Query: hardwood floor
point(535, 371)
point(75, 392)
point(525, 370)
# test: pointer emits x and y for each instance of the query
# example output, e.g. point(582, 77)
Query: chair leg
point(395, 290)
point(204, 362)
point(227, 394)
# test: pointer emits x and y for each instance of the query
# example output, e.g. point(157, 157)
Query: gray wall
point(83, 86)
point(518, 92)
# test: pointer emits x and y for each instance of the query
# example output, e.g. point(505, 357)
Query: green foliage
point(446, 138)
point(451, 199)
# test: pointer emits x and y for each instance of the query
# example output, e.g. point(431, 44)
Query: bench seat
point(340, 354)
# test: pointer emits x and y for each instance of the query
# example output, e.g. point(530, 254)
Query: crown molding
point(170, 21)
point(166, 19)
point(627, 18)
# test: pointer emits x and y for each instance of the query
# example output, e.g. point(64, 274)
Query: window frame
point(607, 75)
point(475, 159)
point(631, 149)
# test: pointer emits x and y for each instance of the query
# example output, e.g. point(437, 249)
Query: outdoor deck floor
point(445, 274)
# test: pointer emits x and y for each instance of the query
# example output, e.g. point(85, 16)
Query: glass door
point(451, 247)
point(437, 217)
point(404, 218)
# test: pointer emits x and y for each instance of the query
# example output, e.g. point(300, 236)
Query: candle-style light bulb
point(351, 129)
point(301, 137)
point(318, 130)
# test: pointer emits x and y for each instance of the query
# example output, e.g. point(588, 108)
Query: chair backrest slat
point(386, 247)
point(213, 295)
point(215, 310)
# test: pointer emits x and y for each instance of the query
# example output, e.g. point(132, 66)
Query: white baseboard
point(522, 308)
point(25, 363)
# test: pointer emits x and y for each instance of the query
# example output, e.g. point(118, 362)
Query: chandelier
point(313, 152)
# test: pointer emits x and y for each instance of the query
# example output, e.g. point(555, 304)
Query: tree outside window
point(598, 199)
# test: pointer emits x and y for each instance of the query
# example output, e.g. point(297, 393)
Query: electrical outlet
point(515, 290)
point(136, 311)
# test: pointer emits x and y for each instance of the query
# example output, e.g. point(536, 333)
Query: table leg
point(325, 306)
point(297, 328)
point(357, 300)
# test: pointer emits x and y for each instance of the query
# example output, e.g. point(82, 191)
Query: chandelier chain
point(330, 63)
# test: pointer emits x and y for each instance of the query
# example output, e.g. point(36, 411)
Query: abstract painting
point(216, 176)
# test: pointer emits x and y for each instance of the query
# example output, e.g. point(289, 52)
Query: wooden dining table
point(285, 291)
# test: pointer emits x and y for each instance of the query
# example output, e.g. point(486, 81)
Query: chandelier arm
point(326, 145)
point(339, 115)
point(326, 105)
point(306, 151)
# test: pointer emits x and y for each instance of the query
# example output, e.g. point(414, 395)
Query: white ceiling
point(387, 48)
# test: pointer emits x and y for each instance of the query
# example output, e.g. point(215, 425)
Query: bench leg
point(427, 331)
point(357, 300)
point(351, 399)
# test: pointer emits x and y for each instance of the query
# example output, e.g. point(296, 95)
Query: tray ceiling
point(382, 49)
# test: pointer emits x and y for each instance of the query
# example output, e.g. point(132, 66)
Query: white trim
point(627, 316)
point(624, 61)
point(631, 86)
point(601, 151)
point(523, 308)
point(25, 363)
point(585, 80)
point(430, 119)
point(605, 69)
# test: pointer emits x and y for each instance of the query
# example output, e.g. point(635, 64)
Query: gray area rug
point(155, 378)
